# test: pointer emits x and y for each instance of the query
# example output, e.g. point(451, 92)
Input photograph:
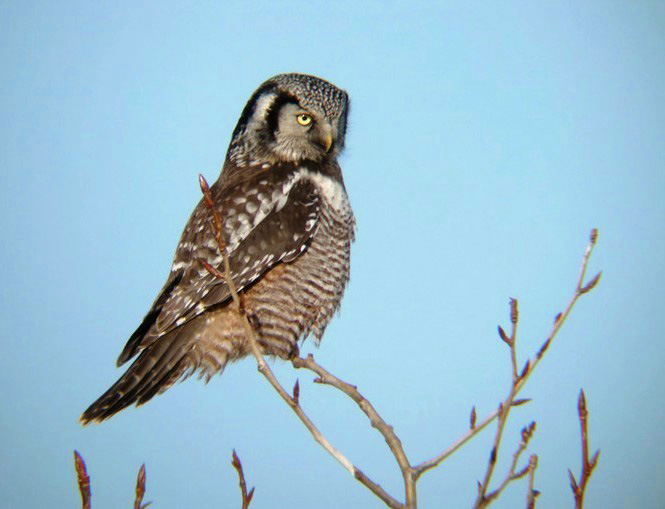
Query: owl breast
point(299, 297)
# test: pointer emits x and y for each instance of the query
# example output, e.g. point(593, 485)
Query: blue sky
point(485, 141)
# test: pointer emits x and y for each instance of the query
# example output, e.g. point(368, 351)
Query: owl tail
point(156, 369)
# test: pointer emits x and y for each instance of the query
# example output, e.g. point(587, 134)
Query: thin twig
point(519, 379)
point(504, 409)
point(83, 480)
point(532, 494)
point(513, 475)
point(246, 496)
point(587, 464)
point(265, 370)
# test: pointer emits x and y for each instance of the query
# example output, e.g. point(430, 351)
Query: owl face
point(291, 118)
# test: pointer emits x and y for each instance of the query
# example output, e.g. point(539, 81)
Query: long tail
point(156, 369)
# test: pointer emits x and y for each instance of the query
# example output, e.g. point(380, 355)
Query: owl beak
point(327, 141)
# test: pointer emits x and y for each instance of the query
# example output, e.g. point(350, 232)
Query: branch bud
point(504, 336)
point(296, 392)
point(591, 284)
point(513, 311)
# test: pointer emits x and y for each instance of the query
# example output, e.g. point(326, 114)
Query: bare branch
point(410, 474)
point(375, 420)
point(83, 480)
point(246, 496)
point(532, 494)
point(512, 475)
point(265, 370)
point(588, 465)
point(423, 467)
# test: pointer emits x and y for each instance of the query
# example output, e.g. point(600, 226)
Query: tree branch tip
point(79, 463)
point(83, 480)
point(514, 313)
point(203, 183)
point(593, 237)
point(581, 404)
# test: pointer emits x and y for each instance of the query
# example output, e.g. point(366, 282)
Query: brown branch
point(375, 420)
point(265, 370)
point(532, 494)
point(83, 480)
point(587, 464)
point(410, 473)
point(246, 496)
point(518, 379)
point(483, 499)
point(512, 475)
point(140, 489)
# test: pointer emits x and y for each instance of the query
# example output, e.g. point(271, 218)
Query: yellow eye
point(304, 119)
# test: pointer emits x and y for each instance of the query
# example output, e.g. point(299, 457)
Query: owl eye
point(304, 119)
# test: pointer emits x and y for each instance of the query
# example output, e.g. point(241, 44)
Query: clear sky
point(485, 141)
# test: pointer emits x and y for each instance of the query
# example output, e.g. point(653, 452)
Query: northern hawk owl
point(288, 226)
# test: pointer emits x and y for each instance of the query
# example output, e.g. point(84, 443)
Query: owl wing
point(272, 228)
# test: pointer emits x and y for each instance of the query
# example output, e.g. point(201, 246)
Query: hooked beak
point(327, 138)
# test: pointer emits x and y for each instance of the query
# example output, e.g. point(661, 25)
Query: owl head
point(290, 118)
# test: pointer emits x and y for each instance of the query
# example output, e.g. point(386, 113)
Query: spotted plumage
point(288, 226)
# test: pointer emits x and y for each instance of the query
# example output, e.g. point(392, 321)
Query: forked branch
point(264, 368)
point(246, 496)
point(84, 484)
point(410, 473)
point(587, 464)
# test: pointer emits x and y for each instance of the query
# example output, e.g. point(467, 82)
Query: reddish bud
point(504, 336)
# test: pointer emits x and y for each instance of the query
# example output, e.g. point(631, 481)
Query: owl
point(288, 228)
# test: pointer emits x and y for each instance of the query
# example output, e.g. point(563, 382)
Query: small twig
point(246, 496)
point(519, 379)
point(587, 464)
point(512, 475)
point(532, 494)
point(483, 498)
point(83, 480)
point(140, 489)
point(265, 370)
